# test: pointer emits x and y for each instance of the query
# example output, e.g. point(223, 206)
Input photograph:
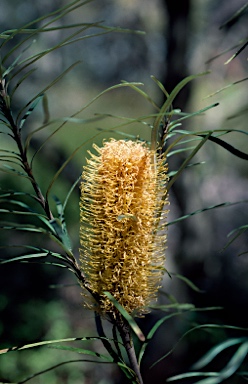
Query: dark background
point(181, 37)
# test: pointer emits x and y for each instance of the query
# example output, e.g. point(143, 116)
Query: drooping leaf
point(47, 343)
point(198, 327)
point(30, 110)
point(166, 106)
point(232, 366)
point(213, 352)
point(82, 351)
point(60, 225)
point(34, 101)
point(238, 232)
point(192, 375)
point(128, 317)
point(221, 205)
point(57, 366)
point(235, 17)
point(186, 161)
point(27, 211)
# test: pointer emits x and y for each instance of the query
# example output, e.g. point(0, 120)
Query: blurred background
point(41, 302)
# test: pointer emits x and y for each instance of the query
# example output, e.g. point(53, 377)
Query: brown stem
point(125, 333)
point(16, 134)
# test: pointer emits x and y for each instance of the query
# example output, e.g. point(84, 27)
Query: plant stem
point(104, 340)
point(16, 135)
point(125, 333)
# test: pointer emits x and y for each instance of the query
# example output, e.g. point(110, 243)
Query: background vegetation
point(41, 302)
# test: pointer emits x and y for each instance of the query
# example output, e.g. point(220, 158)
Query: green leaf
point(45, 109)
point(58, 13)
point(235, 362)
point(7, 169)
point(192, 374)
point(57, 366)
point(160, 85)
point(152, 332)
point(175, 122)
point(47, 343)
point(128, 317)
point(83, 351)
point(198, 327)
point(233, 19)
point(239, 231)
point(29, 211)
point(177, 306)
point(30, 110)
point(242, 41)
point(39, 253)
point(186, 162)
point(187, 281)
point(33, 228)
point(167, 105)
point(143, 94)
point(237, 53)
point(20, 81)
point(34, 101)
point(70, 192)
point(59, 225)
point(176, 151)
point(232, 366)
point(228, 147)
point(226, 87)
point(213, 352)
point(222, 205)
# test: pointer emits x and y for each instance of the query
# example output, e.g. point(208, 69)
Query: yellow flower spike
point(122, 247)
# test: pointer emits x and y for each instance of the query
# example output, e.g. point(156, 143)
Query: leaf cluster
point(167, 138)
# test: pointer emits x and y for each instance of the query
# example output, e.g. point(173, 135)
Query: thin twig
point(125, 333)
point(104, 340)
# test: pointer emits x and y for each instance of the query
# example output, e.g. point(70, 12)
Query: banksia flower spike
point(122, 246)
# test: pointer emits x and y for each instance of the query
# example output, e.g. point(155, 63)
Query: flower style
point(122, 246)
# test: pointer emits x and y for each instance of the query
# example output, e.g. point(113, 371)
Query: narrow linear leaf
point(82, 351)
point(33, 228)
point(198, 327)
point(175, 122)
point(152, 332)
point(226, 87)
point(167, 104)
point(225, 51)
point(237, 53)
point(59, 365)
point(41, 93)
point(128, 317)
point(25, 257)
point(161, 86)
point(70, 192)
point(143, 94)
point(239, 231)
point(20, 81)
point(191, 374)
point(228, 147)
point(222, 205)
point(185, 163)
point(30, 110)
point(48, 342)
point(58, 13)
point(40, 253)
point(213, 352)
point(235, 17)
point(231, 367)
point(176, 151)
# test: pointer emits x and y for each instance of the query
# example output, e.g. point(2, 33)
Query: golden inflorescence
point(122, 246)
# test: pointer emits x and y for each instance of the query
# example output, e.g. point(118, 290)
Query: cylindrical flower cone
point(122, 247)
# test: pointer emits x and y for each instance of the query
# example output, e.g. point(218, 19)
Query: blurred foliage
point(30, 309)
